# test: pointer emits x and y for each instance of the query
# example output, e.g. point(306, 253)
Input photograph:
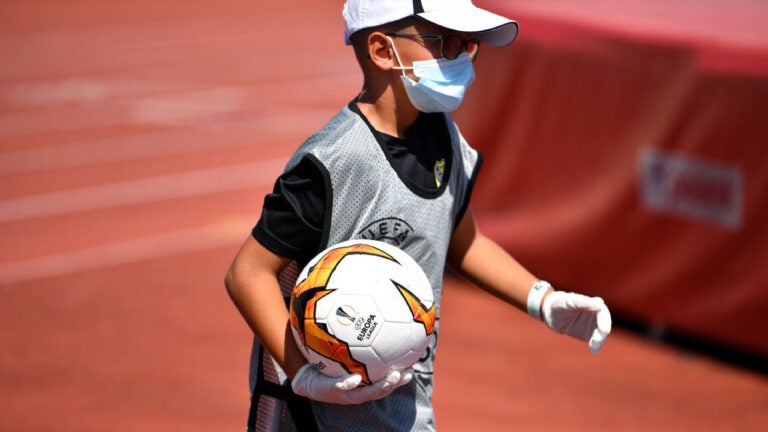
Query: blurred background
point(625, 157)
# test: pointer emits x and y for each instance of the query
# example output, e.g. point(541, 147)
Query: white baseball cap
point(458, 15)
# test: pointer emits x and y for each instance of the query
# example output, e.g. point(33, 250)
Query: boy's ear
point(380, 51)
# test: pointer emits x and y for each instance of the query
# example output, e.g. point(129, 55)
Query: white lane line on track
point(190, 140)
point(143, 249)
point(146, 190)
point(126, 148)
point(181, 108)
point(151, 104)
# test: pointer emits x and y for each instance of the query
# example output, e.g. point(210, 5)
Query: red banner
point(630, 166)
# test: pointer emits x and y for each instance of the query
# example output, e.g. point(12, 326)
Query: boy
point(390, 166)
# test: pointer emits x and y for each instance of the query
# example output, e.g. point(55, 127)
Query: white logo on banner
point(673, 183)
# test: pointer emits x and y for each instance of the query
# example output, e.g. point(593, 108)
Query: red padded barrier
point(631, 162)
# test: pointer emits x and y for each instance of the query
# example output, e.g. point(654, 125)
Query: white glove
point(585, 318)
point(345, 390)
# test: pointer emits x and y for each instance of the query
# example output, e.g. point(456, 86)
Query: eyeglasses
point(451, 46)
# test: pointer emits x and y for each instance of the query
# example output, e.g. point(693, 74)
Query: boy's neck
point(388, 114)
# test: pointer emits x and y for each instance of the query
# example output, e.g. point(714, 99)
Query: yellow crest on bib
point(439, 172)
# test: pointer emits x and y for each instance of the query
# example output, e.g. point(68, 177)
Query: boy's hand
point(585, 318)
point(346, 390)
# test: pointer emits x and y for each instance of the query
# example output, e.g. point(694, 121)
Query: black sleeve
point(470, 188)
point(293, 217)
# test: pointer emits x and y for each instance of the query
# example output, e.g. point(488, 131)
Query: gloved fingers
point(405, 377)
point(348, 382)
point(602, 329)
point(604, 320)
point(392, 380)
point(309, 382)
point(597, 341)
point(374, 391)
point(379, 389)
point(399, 378)
point(577, 315)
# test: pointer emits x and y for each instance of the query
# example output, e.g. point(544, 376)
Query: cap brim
point(490, 28)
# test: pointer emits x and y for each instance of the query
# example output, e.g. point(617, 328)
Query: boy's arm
point(252, 285)
point(483, 262)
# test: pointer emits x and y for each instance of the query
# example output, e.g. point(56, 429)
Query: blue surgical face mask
point(442, 82)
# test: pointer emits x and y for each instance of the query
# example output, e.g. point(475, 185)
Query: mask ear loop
point(397, 56)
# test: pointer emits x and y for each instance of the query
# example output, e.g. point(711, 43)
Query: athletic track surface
point(137, 140)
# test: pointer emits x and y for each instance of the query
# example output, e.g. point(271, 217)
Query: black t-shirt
point(293, 217)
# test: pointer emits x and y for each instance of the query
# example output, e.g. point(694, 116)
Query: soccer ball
point(364, 307)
